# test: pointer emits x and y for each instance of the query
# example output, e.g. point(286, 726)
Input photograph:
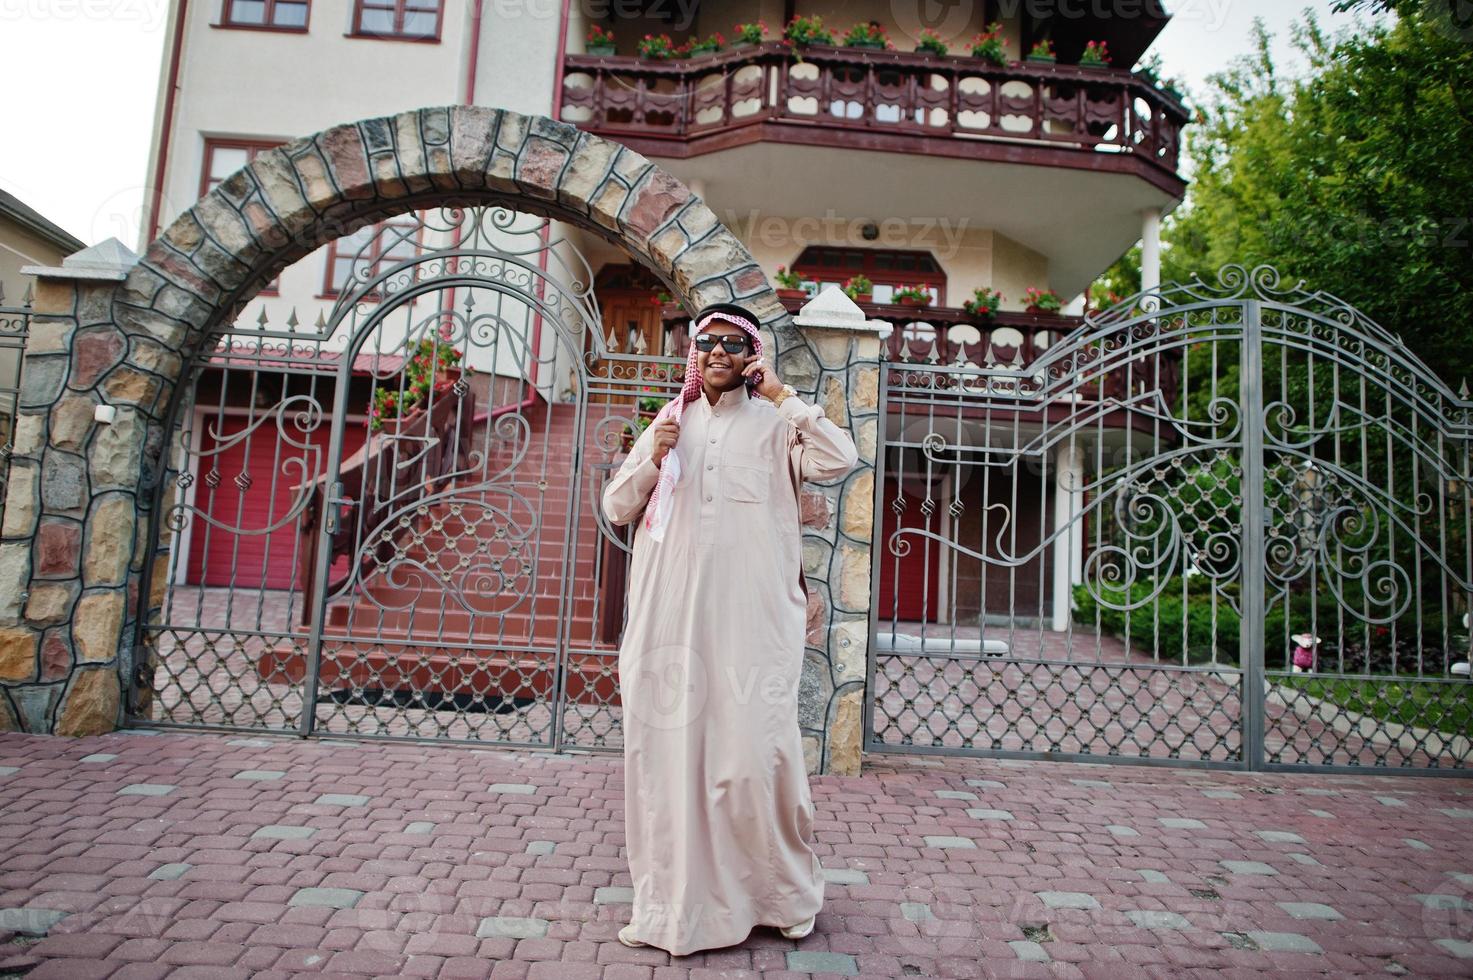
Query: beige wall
point(20, 247)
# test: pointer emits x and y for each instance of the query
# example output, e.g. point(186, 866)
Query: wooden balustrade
point(862, 93)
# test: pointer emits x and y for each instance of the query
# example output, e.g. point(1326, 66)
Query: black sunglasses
point(731, 343)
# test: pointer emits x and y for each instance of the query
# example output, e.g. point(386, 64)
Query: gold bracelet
point(782, 395)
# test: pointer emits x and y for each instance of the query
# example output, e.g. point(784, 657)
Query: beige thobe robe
point(718, 814)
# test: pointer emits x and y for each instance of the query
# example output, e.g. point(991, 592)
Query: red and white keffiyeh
point(657, 512)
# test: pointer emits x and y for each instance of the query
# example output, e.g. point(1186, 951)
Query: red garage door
point(250, 485)
point(919, 571)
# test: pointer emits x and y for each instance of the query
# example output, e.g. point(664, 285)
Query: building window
point(361, 256)
point(272, 15)
point(403, 20)
point(888, 269)
point(225, 157)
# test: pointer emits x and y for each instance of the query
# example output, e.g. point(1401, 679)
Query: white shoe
point(800, 930)
point(626, 936)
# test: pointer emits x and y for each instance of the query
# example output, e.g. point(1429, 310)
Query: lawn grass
point(1440, 706)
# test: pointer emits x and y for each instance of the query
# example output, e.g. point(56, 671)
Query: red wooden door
point(919, 579)
point(251, 485)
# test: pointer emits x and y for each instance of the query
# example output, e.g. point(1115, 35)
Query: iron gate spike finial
point(321, 323)
point(2, 292)
point(1463, 389)
point(30, 294)
point(291, 320)
point(261, 320)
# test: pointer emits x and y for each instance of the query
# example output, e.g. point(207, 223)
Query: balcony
point(1010, 343)
point(1060, 160)
point(910, 102)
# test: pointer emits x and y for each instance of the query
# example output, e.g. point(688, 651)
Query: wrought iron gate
point(1221, 526)
point(387, 524)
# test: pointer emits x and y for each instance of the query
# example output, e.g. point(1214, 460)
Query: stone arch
point(123, 339)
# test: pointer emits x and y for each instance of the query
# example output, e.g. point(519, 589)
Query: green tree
point(1356, 177)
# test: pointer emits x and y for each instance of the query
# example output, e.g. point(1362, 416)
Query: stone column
point(838, 366)
point(1069, 545)
point(70, 517)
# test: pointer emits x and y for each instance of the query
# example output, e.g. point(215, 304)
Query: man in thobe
point(718, 814)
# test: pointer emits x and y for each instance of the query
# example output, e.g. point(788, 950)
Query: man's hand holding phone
point(667, 433)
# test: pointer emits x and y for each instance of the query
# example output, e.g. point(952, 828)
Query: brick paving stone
point(259, 775)
point(1028, 951)
point(1248, 867)
point(517, 788)
point(541, 847)
point(1461, 878)
point(511, 927)
point(950, 843)
point(806, 961)
point(1153, 876)
point(420, 827)
point(332, 898)
point(29, 920)
point(146, 789)
point(955, 794)
point(916, 911)
point(1279, 836)
point(1322, 814)
point(845, 876)
point(1457, 812)
point(98, 757)
point(1460, 948)
point(1093, 783)
point(981, 813)
point(1310, 910)
point(1391, 801)
point(281, 831)
point(613, 895)
point(1284, 942)
point(1068, 900)
point(169, 872)
point(1120, 830)
point(1222, 794)
point(9, 770)
point(1305, 859)
point(1182, 823)
point(1157, 919)
point(1444, 903)
point(342, 799)
point(986, 784)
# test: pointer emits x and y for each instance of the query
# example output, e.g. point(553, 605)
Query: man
point(718, 815)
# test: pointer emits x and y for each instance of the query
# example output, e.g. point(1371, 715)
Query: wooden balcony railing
point(935, 104)
point(944, 335)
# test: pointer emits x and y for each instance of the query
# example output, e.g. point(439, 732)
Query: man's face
point(719, 368)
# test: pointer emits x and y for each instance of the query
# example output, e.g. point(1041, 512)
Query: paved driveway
point(219, 856)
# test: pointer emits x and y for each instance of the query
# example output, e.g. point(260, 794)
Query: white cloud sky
point(77, 142)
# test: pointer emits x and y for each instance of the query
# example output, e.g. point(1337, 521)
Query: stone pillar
point(839, 366)
point(70, 518)
point(1150, 248)
point(1069, 545)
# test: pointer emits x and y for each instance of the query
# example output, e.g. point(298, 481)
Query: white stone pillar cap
point(832, 309)
point(109, 260)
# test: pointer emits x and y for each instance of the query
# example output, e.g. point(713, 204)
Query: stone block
point(116, 456)
point(15, 575)
point(56, 652)
point(857, 512)
point(53, 296)
point(110, 535)
point(846, 734)
point(21, 498)
point(49, 337)
point(472, 137)
point(654, 201)
point(854, 574)
point(57, 549)
point(17, 654)
point(49, 603)
point(90, 706)
point(42, 380)
point(97, 625)
point(342, 147)
point(63, 481)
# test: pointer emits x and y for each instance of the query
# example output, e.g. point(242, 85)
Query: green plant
point(988, 45)
point(803, 31)
point(427, 360)
point(985, 302)
point(920, 294)
point(710, 45)
point(598, 37)
point(859, 285)
point(867, 34)
point(1043, 51)
point(931, 41)
point(656, 47)
point(753, 33)
point(1043, 299)
point(662, 297)
point(1095, 54)
point(788, 280)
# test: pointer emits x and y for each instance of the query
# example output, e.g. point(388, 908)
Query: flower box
point(783, 293)
point(600, 50)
